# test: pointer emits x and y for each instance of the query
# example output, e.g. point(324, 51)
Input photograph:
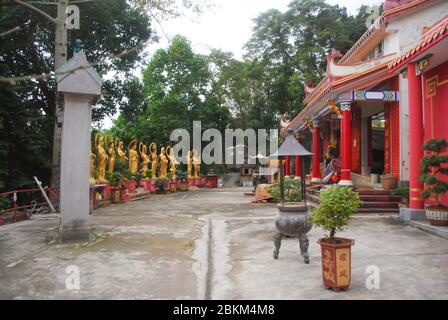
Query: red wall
point(435, 111)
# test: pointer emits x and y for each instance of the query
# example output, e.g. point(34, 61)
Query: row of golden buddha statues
point(160, 164)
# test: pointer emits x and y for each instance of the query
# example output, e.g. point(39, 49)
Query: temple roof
point(431, 37)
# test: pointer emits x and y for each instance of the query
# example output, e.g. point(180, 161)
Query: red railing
point(15, 197)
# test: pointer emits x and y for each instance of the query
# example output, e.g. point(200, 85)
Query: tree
point(159, 9)
point(29, 51)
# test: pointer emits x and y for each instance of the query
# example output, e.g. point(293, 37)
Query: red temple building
point(381, 100)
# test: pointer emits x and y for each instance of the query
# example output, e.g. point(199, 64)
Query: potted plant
point(337, 205)
point(434, 173)
point(182, 178)
point(162, 185)
point(138, 178)
point(388, 181)
point(129, 182)
point(402, 192)
point(115, 183)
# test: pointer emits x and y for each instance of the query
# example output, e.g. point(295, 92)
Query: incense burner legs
point(293, 221)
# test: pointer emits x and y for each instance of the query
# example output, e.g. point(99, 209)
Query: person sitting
point(331, 172)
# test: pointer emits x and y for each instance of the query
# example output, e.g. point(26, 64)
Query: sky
point(228, 26)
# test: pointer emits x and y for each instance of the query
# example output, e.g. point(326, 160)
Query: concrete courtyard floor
point(211, 244)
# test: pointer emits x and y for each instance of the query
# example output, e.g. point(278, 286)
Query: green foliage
point(434, 169)
point(27, 109)
point(337, 205)
point(115, 179)
point(402, 192)
point(293, 190)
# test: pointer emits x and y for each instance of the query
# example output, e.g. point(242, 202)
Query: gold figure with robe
point(163, 163)
point(133, 157)
point(102, 157)
point(92, 179)
point(111, 153)
point(196, 164)
point(173, 162)
point(189, 165)
point(145, 159)
point(121, 154)
point(154, 160)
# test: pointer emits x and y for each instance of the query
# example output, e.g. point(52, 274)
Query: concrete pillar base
point(74, 234)
point(346, 183)
point(408, 214)
point(316, 180)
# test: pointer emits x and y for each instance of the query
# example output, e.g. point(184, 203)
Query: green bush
point(293, 190)
point(433, 166)
point(337, 205)
point(115, 179)
point(402, 192)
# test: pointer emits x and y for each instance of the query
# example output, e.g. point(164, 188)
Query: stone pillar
point(287, 166)
point(345, 144)
point(316, 153)
point(80, 89)
point(415, 138)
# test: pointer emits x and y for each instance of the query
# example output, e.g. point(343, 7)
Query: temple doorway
point(377, 124)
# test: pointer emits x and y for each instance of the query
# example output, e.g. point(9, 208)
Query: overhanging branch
point(33, 8)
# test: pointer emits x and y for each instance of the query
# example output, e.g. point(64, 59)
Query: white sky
point(228, 26)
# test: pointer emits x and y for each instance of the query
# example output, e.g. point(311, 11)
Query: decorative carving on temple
point(337, 71)
point(283, 122)
point(309, 87)
point(333, 106)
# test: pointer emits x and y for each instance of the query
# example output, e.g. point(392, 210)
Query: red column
point(298, 166)
point(415, 136)
point(345, 144)
point(316, 153)
point(288, 166)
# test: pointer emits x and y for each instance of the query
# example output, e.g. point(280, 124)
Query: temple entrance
point(377, 124)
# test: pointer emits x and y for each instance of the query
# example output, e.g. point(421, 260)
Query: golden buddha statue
point(111, 153)
point(102, 157)
point(196, 164)
point(133, 157)
point(189, 165)
point(163, 163)
point(173, 162)
point(92, 168)
point(145, 158)
point(154, 160)
point(121, 154)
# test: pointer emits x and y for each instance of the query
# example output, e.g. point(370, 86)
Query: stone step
point(378, 211)
point(384, 205)
point(380, 198)
point(373, 192)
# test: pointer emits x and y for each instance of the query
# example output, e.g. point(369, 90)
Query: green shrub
point(433, 166)
point(337, 205)
point(402, 192)
point(293, 190)
point(115, 179)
